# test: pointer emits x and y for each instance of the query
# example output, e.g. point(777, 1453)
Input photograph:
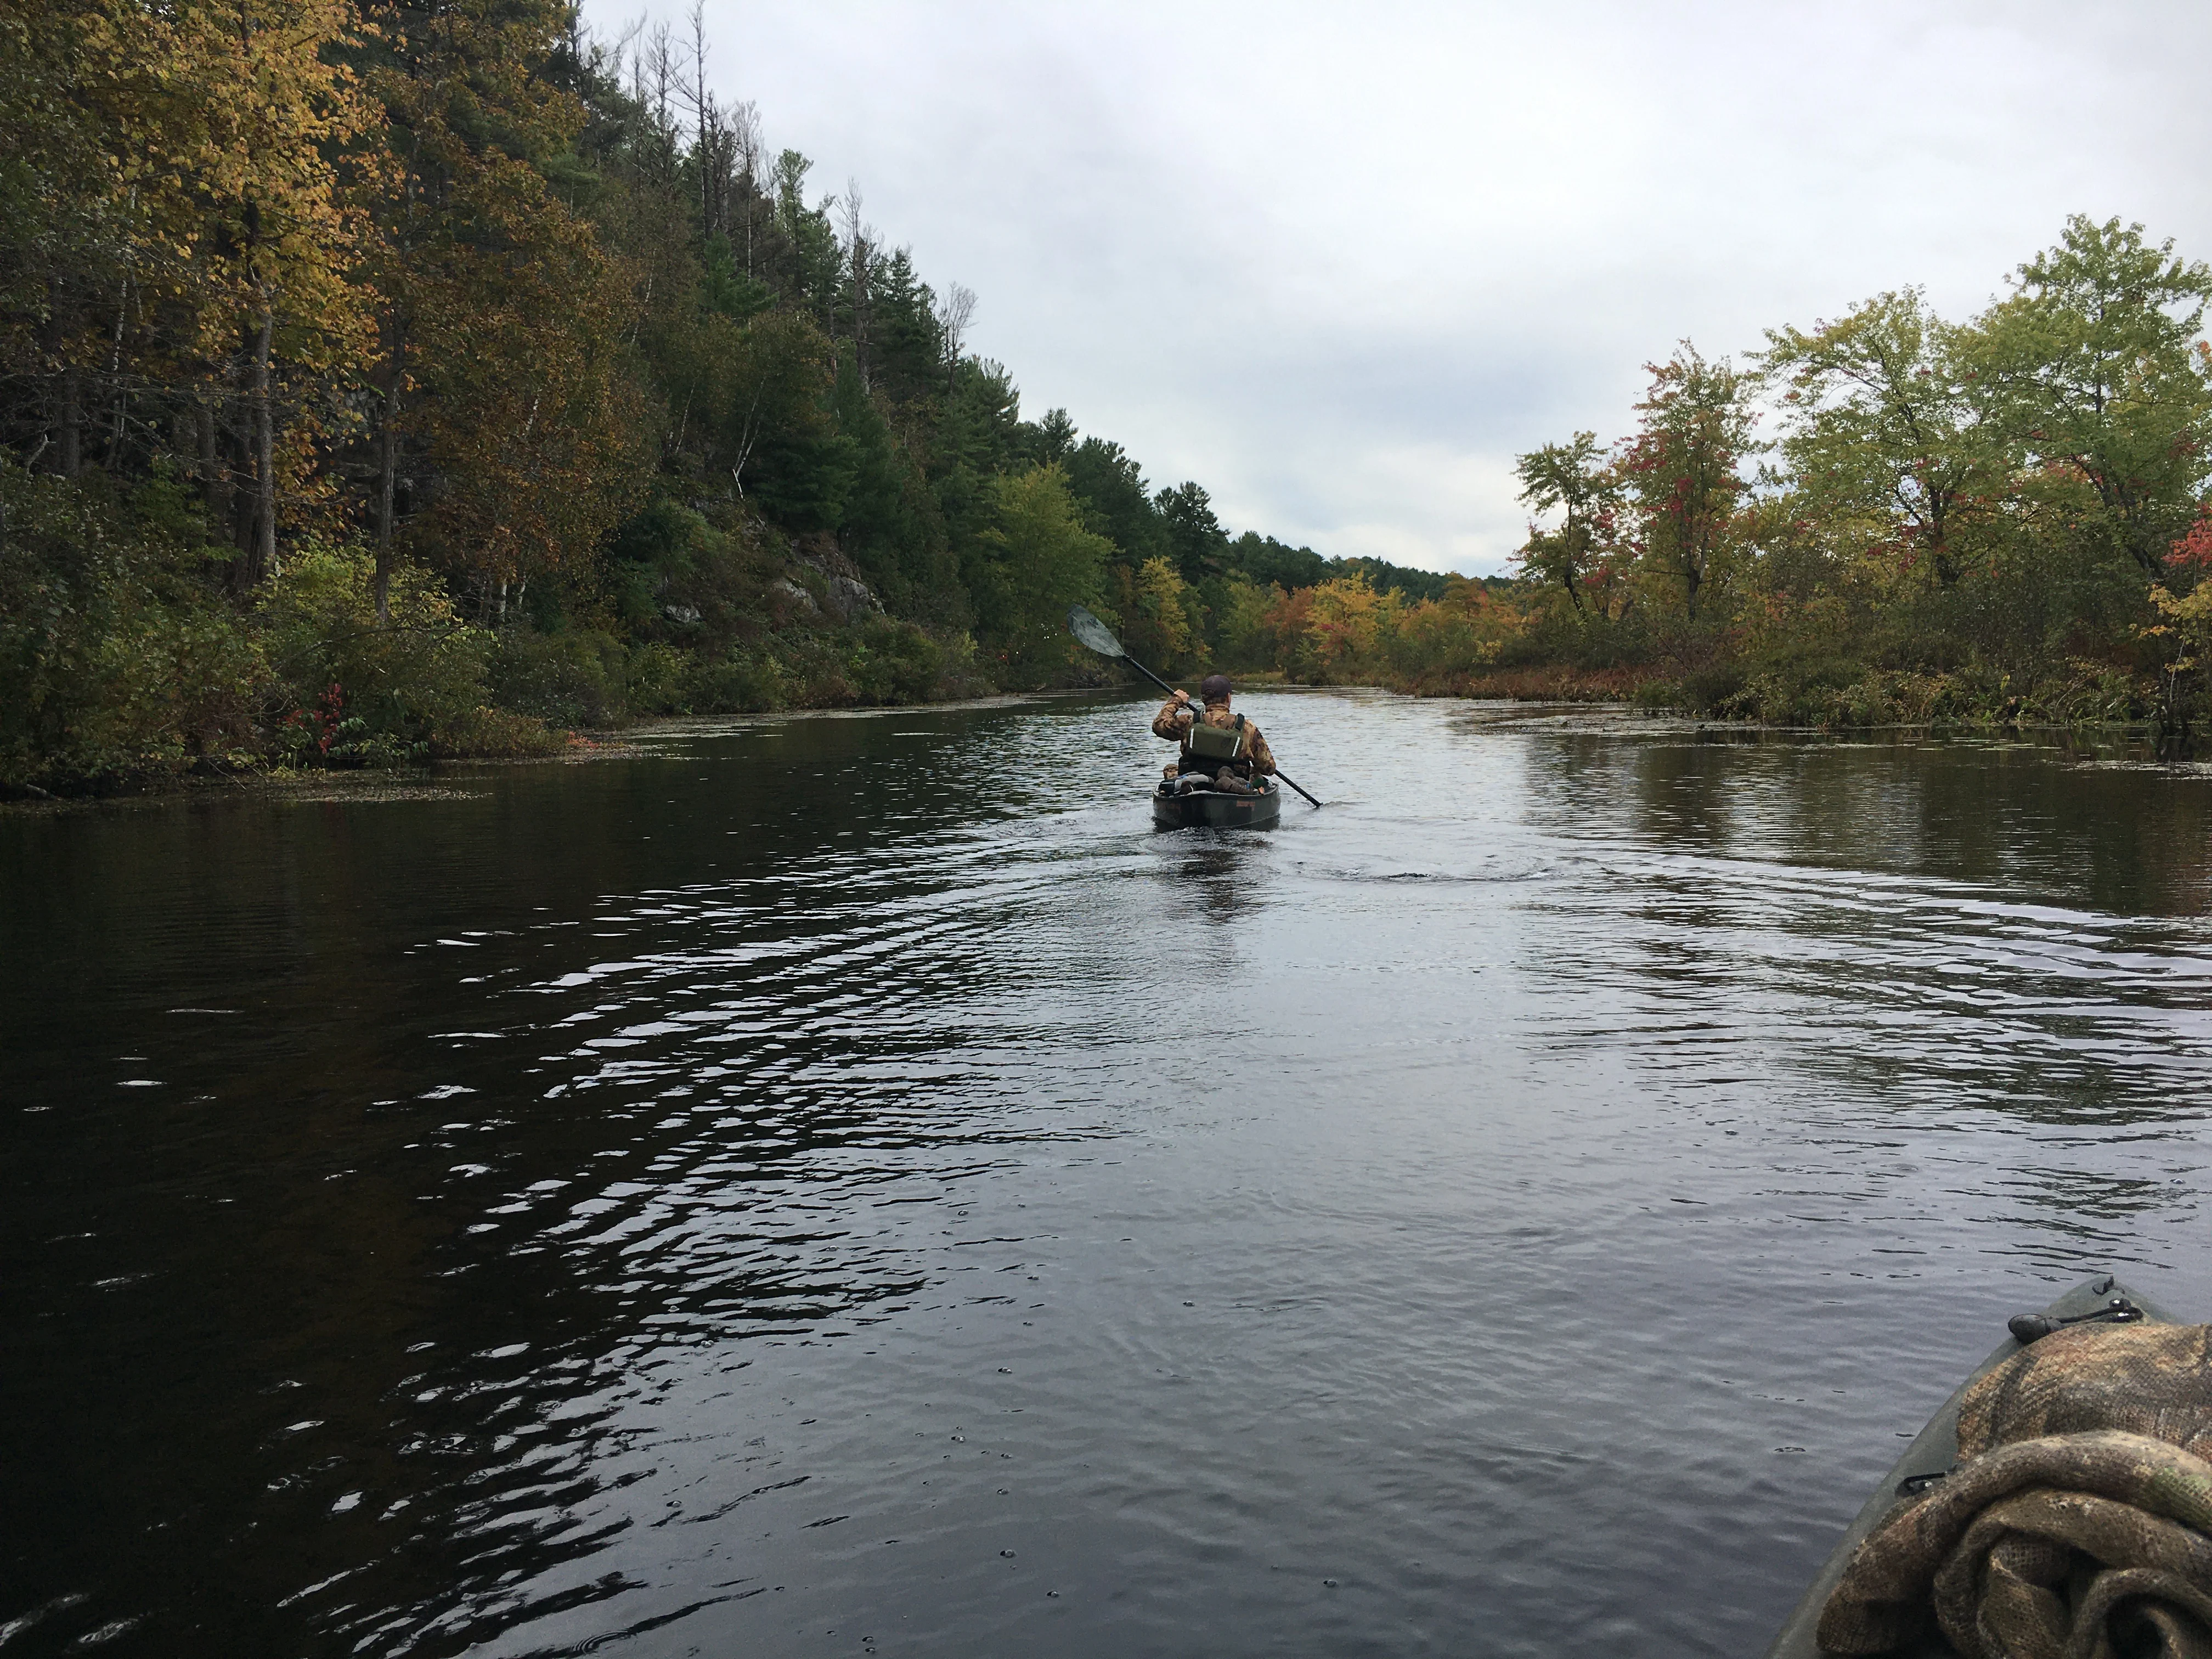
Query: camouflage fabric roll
point(2075, 1525)
point(2148, 1379)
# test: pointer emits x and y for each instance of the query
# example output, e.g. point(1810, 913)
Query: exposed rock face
point(850, 596)
point(821, 582)
point(794, 596)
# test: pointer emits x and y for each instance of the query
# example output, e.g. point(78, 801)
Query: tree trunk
point(115, 365)
point(71, 461)
point(861, 309)
point(211, 483)
point(261, 558)
point(387, 479)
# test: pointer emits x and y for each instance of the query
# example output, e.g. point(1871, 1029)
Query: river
point(846, 1185)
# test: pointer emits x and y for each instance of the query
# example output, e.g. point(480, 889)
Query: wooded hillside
point(383, 381)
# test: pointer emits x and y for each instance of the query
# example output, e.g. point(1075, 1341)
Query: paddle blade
point(1093, 632)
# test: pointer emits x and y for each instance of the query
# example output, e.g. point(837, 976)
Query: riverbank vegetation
point(1888, 518)
point(383, 384)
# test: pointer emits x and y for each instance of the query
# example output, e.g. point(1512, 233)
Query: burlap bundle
point(2076, 1525)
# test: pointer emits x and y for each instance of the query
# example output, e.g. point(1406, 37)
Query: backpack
point(1215, 743)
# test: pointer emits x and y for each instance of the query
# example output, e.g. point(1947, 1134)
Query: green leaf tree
point(2093, 369)
point(1156, 621)
point(1576, 480)
point(1882, 434)
point(1116, 501)
point(1034, 562)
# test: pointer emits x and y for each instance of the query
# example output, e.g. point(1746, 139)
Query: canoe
point(1932, 1453)
point(1210, 809)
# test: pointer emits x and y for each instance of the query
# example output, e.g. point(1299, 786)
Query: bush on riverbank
point(126, 657)
point(118, 657)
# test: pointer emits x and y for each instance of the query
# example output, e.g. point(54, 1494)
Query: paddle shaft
point(1169, 689)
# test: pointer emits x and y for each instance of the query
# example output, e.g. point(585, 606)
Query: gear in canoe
point(2059, 1505)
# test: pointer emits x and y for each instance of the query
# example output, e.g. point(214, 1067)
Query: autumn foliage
point(422, 379)
point(1885, 517)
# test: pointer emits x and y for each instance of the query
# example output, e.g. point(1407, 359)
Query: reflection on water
point(782, 1195)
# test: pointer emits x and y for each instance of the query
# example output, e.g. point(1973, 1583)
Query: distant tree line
point(1889, 517)
point(379, 380)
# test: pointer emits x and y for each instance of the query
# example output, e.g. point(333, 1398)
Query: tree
point(889, 526)
point(1155, 621)
point(532, 421)
point(909, 349)
point(860, 260)
point(1196, 541)
point(2092, 367)
point(1574, 479)
point(70, 229)
point(1350, 629)
point(504, 388)
point(813, 263)
point(1034, 562)
point(1116, 503)
point(736, 383)
point(1882, 431)
point(1243, 617)
point(955, 314)
point(1267, 561)
point(976, 437)
point(177, 219)
point(1695, 428)
point(1054, 438)
point(259, 134)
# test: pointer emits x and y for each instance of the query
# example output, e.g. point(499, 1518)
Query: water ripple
point(779, 1192)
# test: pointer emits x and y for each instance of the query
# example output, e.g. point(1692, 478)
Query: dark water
point(848, 1186)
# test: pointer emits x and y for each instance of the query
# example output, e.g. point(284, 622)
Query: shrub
point(576, 677)
point(356, 691)
point(119, 655)
point(745, 681)
point(498, 734)
point(895, 662)
point(656, 681)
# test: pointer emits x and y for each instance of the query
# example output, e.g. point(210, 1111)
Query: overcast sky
point(1340, 264)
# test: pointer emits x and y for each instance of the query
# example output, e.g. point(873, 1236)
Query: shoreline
point(1595, 716)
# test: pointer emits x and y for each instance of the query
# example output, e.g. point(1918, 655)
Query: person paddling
point(1217, 744)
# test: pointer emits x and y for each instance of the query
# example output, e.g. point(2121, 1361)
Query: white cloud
point(1340, 264)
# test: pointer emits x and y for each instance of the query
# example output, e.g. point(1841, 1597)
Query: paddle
point(1096, 634)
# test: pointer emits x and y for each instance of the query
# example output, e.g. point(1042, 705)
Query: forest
point(384, 383)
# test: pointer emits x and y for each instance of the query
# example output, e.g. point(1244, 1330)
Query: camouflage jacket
point(1174, 723)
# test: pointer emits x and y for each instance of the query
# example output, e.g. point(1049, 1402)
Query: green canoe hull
point(1934, 1450)
point(1204, 809)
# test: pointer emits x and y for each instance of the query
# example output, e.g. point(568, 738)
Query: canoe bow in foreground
point(1932, 1453)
